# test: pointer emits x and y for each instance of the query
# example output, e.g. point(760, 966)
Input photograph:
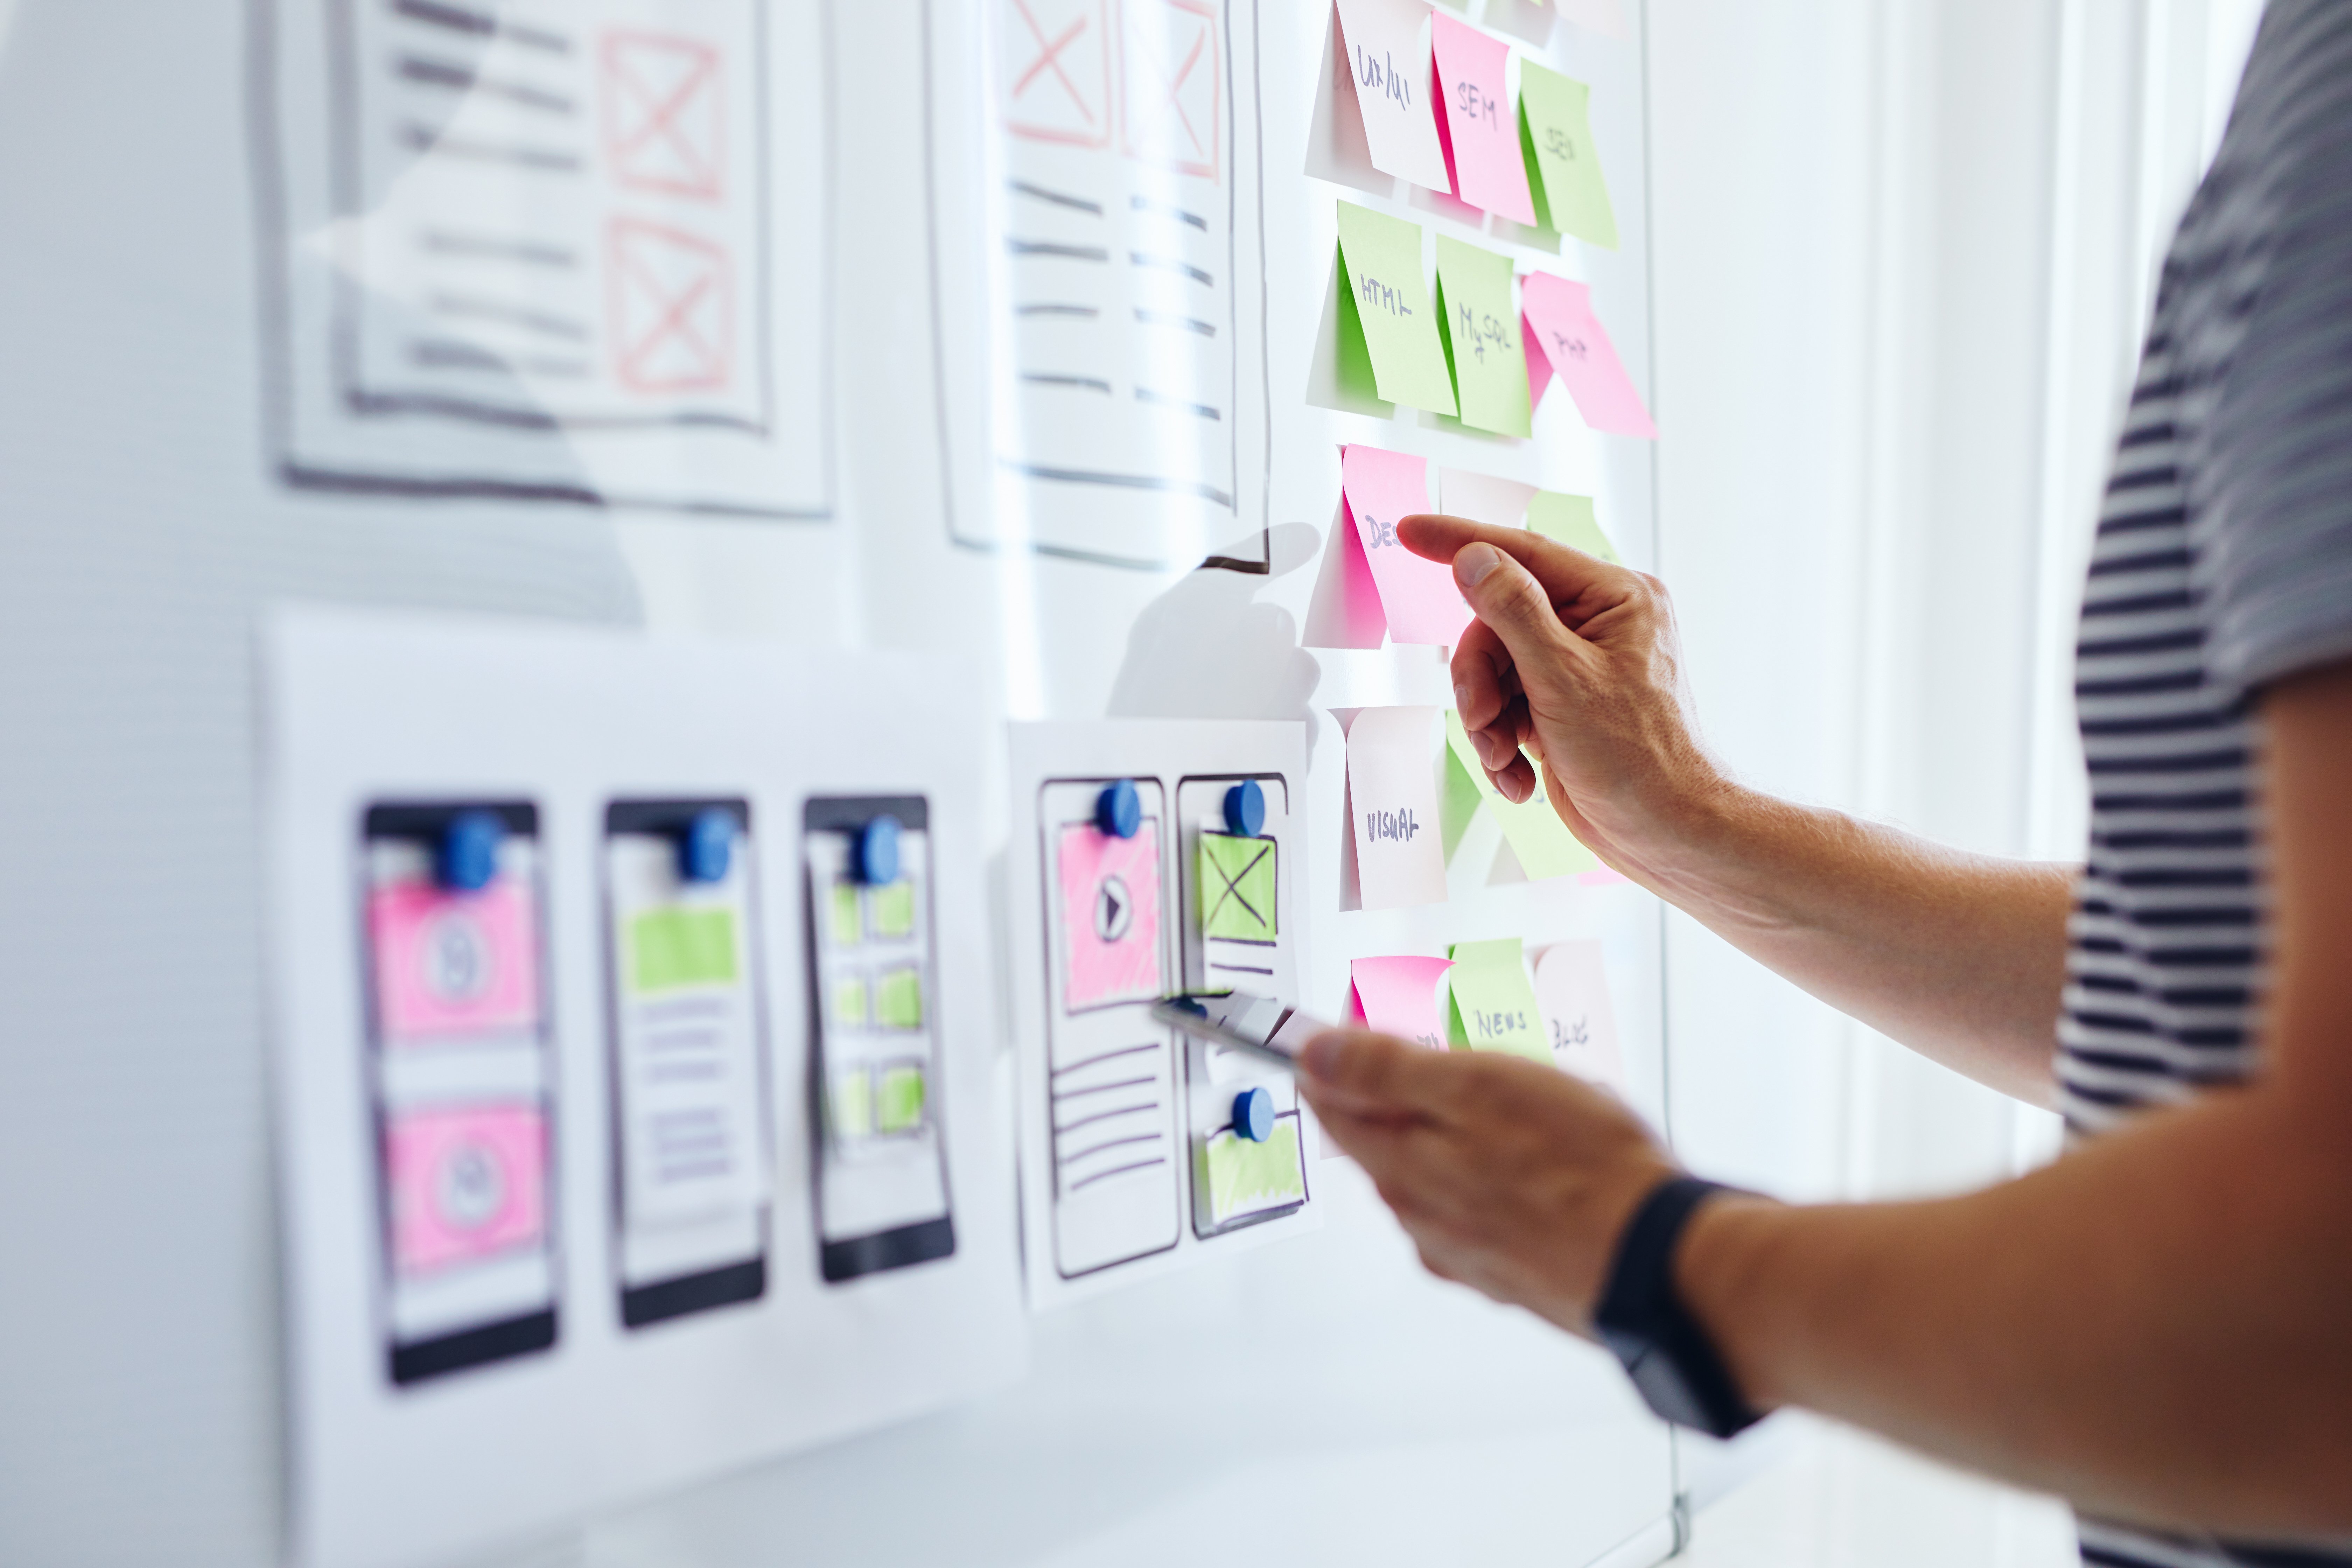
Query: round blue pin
point(1254, 1115)
point(468, 856)
point(706, 849)
point(1245, 809)
point(1119, 810)
point(877, 852)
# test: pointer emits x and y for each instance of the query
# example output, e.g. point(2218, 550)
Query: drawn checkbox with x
point(1237, 888)
point(664, 114)
point(1056, 60)
point(670, 308)
point(1168, 74)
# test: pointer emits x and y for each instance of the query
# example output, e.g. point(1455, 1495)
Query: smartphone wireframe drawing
point(880, 1155)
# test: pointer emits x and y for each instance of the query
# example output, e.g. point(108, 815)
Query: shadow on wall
point(1208, 649)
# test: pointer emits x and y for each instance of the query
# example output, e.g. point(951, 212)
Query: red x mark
point(666, 287)
point(1049, 57)
point(1071, 114)
point(665, 121)
point(1172, 115)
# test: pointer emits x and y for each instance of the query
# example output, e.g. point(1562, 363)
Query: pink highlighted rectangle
point(1110, 916)
point(1564, 338)
point(453, 964)
point(1399, 996)
point(466, 1182)
point(1478, 125)
point(1417, 595)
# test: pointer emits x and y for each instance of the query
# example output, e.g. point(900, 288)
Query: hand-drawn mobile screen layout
point(689, 1058)
point(549, 251)
point(452, 927)
point(881, 1162)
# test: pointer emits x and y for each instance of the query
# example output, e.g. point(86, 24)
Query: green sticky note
point(898, 999)
point(1541, 841)
point(892, 908)
point(1569, 521)
point(853, 1104)
point(1480, 332)
point(1237, 883)
point(898, 1100)
point(1385, 292)
point(1459, 798)
point(673, 947)
point(846, 918)
point(1556, 130)
point(1245, 1177)
point(849, 1002)
point(1494, 1007)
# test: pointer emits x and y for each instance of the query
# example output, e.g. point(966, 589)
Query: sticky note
point(1399, 996)
point(1392, 808)
point(465, 1182)
point(674, 947)
point(1478, 127)
point(1480, 328)
point(1494, 1006)
point(1539, 840)
point(1417, 595)
point(892, 907)
point(852, 1103)
point(1571, 520)
point(1482, 498)
point(1573, 994)
point(898, 998)
point(845, 917)
point(898, 1098)
point(1564, 337)
point(1385, 305)
point(1237, 882)
point(849, 1002)
point(1247, 1178)
point(1387, 48)
point(1606, 18)
point(1572, 198)
point(1110, 915)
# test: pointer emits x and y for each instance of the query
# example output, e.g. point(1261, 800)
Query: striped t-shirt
point(2223, 562)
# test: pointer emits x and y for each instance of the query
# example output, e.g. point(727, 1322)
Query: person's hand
point(1511, 1177)
point(1574, 665)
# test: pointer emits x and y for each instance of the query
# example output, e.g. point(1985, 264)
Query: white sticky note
point(1392, 808)
point(1573, 994)
point(1483, 497)
point(1386, 44)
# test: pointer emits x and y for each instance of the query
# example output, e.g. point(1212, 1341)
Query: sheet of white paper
point(1572, 994)
point(371, 711)
point(1393, 756)
point(1120, 1118)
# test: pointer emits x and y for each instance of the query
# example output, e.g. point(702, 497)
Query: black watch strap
point(1641, 1317)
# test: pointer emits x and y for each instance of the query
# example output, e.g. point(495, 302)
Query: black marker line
point(1165, 209)
point(423, 138)
point(1239, 968)
point(1076, 204)
point(1088, 312)
point(1114, 1143)
point(443, 242)
point(1169, 319)
point(1145, 394)
point(446, 353)
point(1115, 1171)
point(1106, 1056)
point(1089, 383)
point(434, 14)
point(1172, 264)
point(1119, 482)
point(1062, 1094)
point(1104, 1116)
point(442, 73)
point(1064, 252)
point(469, 306)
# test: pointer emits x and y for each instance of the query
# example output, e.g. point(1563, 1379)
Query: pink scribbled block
point(1564, 338)
point(1418, 596)
point(1479, 127)
point(1110, 916)
point(466, 1184)
point(454, 964)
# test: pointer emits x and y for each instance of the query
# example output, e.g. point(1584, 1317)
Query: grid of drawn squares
point(1057, 61)
point(889, 1098)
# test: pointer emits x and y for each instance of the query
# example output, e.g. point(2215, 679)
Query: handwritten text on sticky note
point(1565, 338)
point(1388, 294)
point(1392, 808)
point(1481, 130)
point(1417, 595)
point(1387, 45)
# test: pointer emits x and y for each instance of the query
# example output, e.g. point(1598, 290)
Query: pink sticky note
point(1565, 338)
point(1480, 129)
point(1573, 994)
point(454, 964)
point(1110, 916)
point(1417, 595)
point(465, 1182)
point(1399, 996)
point(1392, 755)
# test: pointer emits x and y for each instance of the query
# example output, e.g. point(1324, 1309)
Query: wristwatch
point(1641, 1317)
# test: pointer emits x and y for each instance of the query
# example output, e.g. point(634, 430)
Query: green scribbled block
point(1479, 325)
point(892, 908)
point(1249, 1178)
point(1556, 131)
point(1237, 885)
point(844, 919)
point(849, 1002)
point(898, 999)
point(899, 1101)
point(1494, 1006)
point(1569, 521)
point(675, 947)
point(853, 1104)
point(1380, 267)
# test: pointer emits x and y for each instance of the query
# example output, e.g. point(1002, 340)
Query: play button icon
point(1114, 909)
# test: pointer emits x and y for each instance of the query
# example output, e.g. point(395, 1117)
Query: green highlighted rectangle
point(898, 1102)
point(1494, 1007)
point(845, 917)
point(675, 947)
point(1569, 521)
point(1246, 1178)
point(892, 908)
point(853, 1104)
point(898, 999)
point(1237, 888)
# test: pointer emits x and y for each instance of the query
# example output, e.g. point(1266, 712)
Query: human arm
point(2154, 1326)
point(1574, 665)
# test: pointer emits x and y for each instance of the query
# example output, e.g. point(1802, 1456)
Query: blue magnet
point(1254, 1115)
point(706, 849)
point(468, 858)
point(1245, 809)
point(875, 853)
point(1119, 810)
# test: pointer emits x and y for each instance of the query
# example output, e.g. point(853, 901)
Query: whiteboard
point(1320, 1392)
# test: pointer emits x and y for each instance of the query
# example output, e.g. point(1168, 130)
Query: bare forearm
point(1959, 956)
point(2153, 1327)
